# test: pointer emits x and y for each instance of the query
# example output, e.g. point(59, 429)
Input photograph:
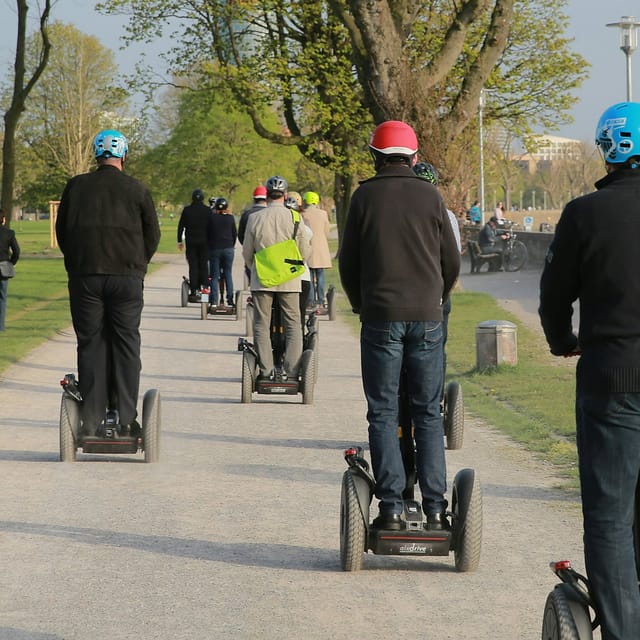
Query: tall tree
point(22, 86)
point(78, 94)
point(336, 67)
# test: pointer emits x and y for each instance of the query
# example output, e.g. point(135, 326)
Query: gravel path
point(235, 533)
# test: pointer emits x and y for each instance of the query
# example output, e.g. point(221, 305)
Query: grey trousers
point(290, 305)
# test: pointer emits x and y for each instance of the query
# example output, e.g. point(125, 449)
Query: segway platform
point(111, 437)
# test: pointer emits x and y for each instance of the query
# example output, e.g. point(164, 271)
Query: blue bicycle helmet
point(110, 143)
point(618, 132)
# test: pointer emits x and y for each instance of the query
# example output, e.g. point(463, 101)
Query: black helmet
point(197, 195)
point(427, 172)
point(221, 204)
point(212, 201)
point(276, 186)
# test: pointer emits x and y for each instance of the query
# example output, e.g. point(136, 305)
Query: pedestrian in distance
point(9, 256)
point(475, 214)
point(318, 221)
point(107, 229)
point(273, 225)
point(398, 261)
point(490, 240)
point(192, 230)
point(594, 259)
point(221, 236)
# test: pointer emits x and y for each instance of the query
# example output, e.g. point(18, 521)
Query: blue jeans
point(385, 347)
point(221, 260)
point(316, 294)
point(608, 431)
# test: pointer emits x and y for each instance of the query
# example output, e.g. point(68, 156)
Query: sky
point(596, 42)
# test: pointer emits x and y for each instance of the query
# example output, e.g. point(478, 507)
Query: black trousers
point(198, 259)
point(106, 312)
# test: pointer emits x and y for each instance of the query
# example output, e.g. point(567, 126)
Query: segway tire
point(151, 425)
point(352, 526)
point(184, 293)
point(238, 305)
point(331, 302)
point(564, 618)
point(308, 376)
point(248, 373)
point(467, 520)
point(453, 416)
point(204, 310)
point(312, 345)
point(69, 425)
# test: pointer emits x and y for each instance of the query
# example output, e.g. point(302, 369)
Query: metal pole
point(481, 134)
point(629, 90)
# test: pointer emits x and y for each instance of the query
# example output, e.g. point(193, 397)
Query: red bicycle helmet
point(260, 193)
point(394, 137)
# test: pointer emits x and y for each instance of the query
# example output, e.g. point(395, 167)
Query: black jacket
point(221, 232)
point(107, 224)
point(9, 247)
point(398, 257)
point(595, 258)
point(194, 222)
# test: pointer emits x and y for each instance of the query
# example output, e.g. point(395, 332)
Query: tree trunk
point(19, 97)
point(342, 188)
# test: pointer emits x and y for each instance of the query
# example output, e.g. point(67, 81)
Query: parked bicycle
point(515, 252)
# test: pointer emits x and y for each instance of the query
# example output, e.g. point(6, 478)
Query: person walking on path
point(320, 259)
point(107, 229)
point(273, 225)
point(9, 253)
point(398, 261)
point(193, 225)
point(221, 236)
point(594, 258)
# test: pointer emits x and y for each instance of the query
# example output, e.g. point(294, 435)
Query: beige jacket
point(269, 226)
point(318, 220)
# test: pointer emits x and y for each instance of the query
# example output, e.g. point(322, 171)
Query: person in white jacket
point(270, 226)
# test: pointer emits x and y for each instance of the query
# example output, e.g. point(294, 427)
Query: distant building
point(549, 149)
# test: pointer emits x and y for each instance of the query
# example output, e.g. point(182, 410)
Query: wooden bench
point(477, 258)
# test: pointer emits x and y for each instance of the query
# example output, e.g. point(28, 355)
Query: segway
point(330, 309)
point(201, 297)
point(569, 611)
point(221, 310)
point(453, 414)
point(279, 383)
point(112, 437)
point(358, 536)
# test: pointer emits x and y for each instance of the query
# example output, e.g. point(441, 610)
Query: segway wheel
point(238, 305)
point(307, 372)
point(248, 373)
point(204, 310)
point(311, 343)
point(453, 415)
point(69, 425)
point(467, 520)
point(352, 526)
point(184, 293)
point(331, 302)
point(564, 618)
point(151, 425)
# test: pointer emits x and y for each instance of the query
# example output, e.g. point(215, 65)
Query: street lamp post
point(628, 43)
point(481, 134)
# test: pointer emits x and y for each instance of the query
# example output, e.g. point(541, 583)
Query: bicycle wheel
point(515, 257)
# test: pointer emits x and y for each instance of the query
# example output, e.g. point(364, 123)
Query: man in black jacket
point(398, 262)
point(594, 258)
point(193, 225)
point(107, 228)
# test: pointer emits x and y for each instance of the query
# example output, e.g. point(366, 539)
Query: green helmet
point(311, 198)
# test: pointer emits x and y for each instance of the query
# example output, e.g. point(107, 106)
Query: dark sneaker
point(389, 522)
point(437, 521)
